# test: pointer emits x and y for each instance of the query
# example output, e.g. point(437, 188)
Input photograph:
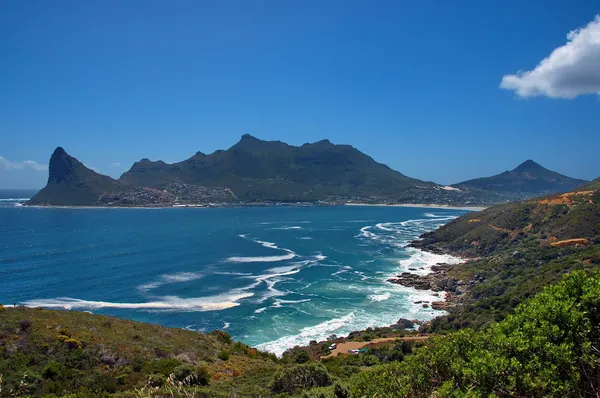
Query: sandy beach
point(424, 205)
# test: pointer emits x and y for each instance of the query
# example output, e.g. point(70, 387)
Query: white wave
point(385, 226)
point(363, 277)
point(14, 199)
point(305, 238)
point(319, 257)
point(380, 297)
point(179, 277)
point(364, 231)
point(233, 273)
point(421, 261)
point(317, 332)
point(226, 325)
point(342, 270)
point(432, 215)
point(259, 310)
point(288, 227)
point(281, 271)
point(194, 304)
point(268, 245)
point(263, 259)
point(279, 303)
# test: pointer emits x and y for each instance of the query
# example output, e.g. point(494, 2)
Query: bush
point(156, 380)
point(302, 376)
point(164, 366)
point(52, 371)
point(302, 357)
point(191, 375)
point(223, 355)
point(340, 391)
point(104, 382)
point(24, 325)
point(546, 349)
point(222, 336)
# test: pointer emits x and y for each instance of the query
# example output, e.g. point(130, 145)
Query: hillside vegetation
point(515, 250)
point(62, 352)
point(548, 348)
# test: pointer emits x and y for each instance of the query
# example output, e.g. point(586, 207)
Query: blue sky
point(416, 85)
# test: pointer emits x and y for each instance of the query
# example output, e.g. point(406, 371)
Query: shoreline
point(221, 206)
point(420, 205)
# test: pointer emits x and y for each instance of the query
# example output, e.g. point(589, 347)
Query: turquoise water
point(272, 277)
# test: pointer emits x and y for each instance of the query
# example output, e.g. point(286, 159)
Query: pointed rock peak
point(248, 138)
point(324, 142)
point(59, 151)
point(61, 165)
point(528, 165)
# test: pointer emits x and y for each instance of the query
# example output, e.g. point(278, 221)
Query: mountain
point(529, 179)
point(254, 170)
point(257, 170)
point(70, 182)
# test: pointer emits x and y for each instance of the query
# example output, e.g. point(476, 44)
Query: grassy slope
point(103, 354)
point(513, 253)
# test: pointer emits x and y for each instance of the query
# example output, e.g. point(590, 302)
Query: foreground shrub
point(548, 348)
point(191, 375)
point(302, 376)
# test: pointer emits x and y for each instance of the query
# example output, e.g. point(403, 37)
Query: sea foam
point(172, 303)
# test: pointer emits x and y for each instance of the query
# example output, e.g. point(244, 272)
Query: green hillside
point(515, 250)
point(60, 352)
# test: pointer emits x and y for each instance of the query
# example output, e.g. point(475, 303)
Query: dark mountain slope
point(71, 183)
point(528, 179)
point(272, 170)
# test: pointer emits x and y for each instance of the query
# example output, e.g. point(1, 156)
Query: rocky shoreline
point(440, 282)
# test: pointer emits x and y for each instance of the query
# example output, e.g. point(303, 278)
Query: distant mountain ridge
point(254, 170)
point(275, 171)
point(529, 179)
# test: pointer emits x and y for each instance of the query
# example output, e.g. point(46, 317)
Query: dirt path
point(342, 348)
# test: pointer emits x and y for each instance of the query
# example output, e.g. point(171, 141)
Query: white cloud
point(6, 164)
point(115, 164)
point(569, 71)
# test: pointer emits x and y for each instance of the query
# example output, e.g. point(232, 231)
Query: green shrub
point(163, 366)
point(105, 382)
point(156, 380)
point(546, 349)
point(223, 355)
point(222, 336)
point(302, 376)
point(52, 371)
point(192, 375)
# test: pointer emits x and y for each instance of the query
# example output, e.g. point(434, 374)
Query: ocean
point(272, 277)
